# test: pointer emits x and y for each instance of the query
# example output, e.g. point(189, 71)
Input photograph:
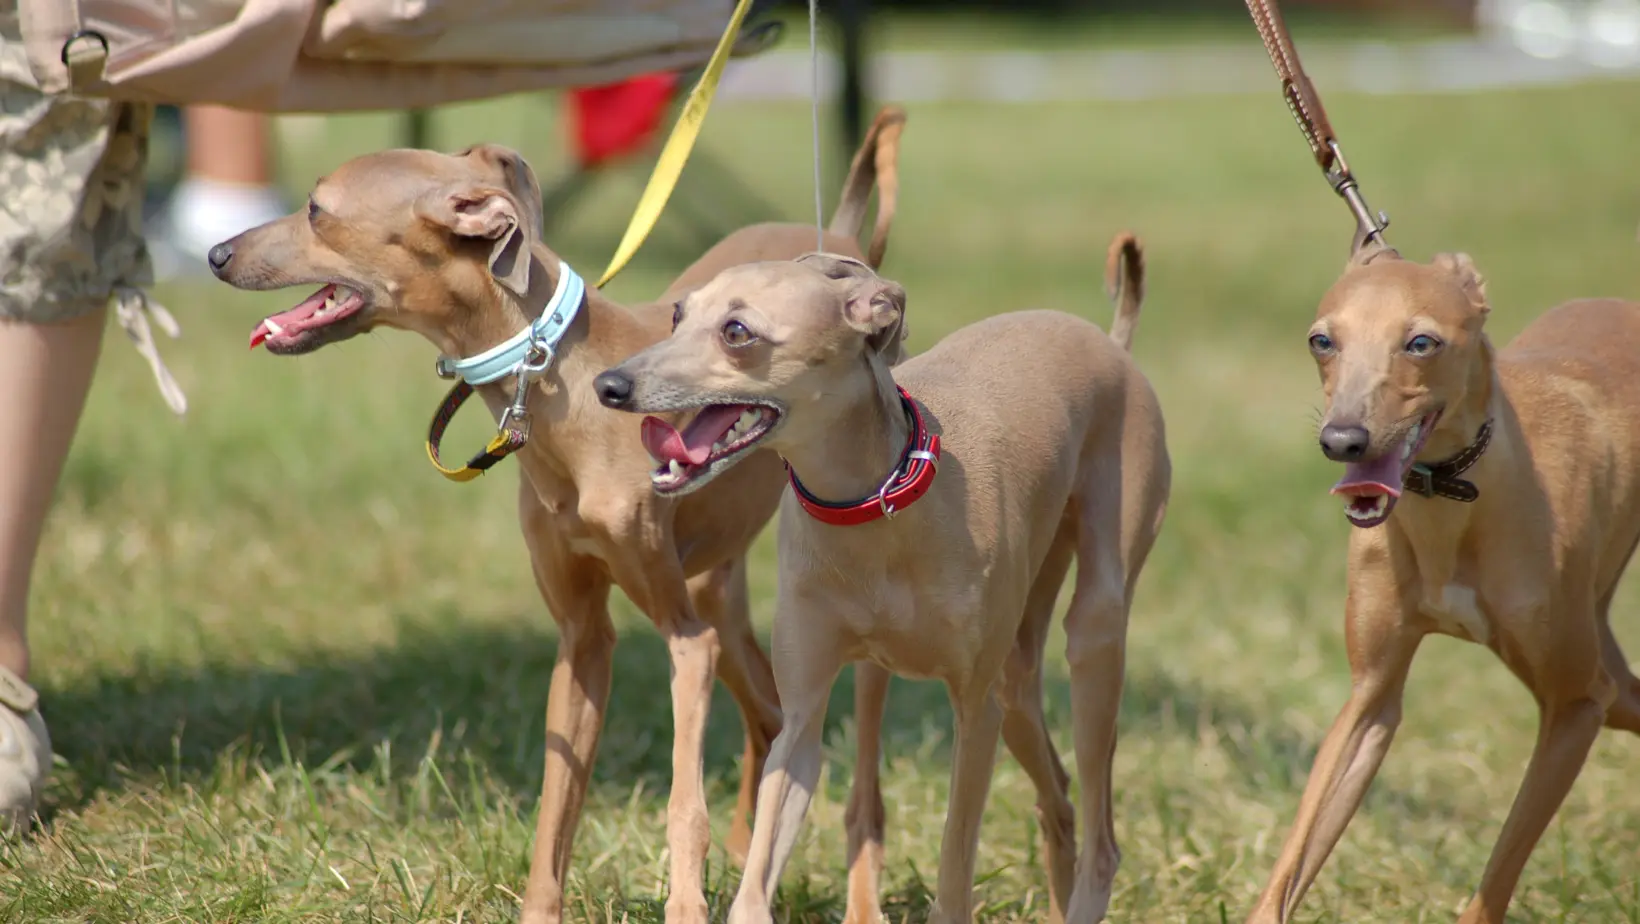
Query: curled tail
point(1125, 285)
point(875, 164)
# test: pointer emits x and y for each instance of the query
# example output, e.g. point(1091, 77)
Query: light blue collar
point(530, 349)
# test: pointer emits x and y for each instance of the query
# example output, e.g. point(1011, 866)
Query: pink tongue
point(694, 444)
point(289, 318)
point(1382, 474)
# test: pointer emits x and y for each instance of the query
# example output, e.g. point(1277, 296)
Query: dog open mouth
point(1372, 487)
point(292, 331)
point(706, 445)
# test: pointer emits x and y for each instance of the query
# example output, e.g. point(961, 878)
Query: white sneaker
point(201, 214)
point(25, 752)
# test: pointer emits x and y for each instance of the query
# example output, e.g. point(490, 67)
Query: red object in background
point(617, 119)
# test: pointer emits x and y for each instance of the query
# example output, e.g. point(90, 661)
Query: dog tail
point(875, 164)
point(1125, 285)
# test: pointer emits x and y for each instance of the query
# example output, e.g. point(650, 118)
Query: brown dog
point(1012, 447)
point(446, 246)
point(1498, 499)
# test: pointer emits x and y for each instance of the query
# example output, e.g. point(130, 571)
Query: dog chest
point(1455, 610)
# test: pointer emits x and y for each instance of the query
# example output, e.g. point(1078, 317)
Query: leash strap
point(911, 478)
point(676, 152)
point(525, 355)
point(1441, 479)
point(1311, 116)
point(506, 441)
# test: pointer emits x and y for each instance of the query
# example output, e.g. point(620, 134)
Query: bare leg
point(1381, 648)
point(720, 597)
point(229, 145)
point(865, 815)
point(45, 374)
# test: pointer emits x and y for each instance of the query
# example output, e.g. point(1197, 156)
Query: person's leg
point(228, 187)
point(71, 173)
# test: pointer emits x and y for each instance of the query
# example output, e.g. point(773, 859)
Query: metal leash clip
point(535, 362)
point(1368, 226)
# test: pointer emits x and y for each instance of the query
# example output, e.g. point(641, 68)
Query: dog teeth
point(273, 327)
point(674, 468)
point(748, 419)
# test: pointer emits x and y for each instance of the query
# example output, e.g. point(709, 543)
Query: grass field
point(293, 675)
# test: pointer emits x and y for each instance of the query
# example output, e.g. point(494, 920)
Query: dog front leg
point(1381, 646)
point(806, 663)
point(720, 597)
point(577, 593)
point(979, 726)
point(1574, 690)
point(694, 649)
point(865, 815)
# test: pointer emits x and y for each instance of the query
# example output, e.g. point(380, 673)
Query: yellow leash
point(514, 430)
point(676, 152)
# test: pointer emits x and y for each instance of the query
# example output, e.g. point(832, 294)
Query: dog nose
point(614, 389)
point(1344, 444)
point(219, 256)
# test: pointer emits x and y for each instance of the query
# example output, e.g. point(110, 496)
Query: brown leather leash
point(1306, 107)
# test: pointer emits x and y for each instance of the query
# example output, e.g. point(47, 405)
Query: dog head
point(757, 352)
point(1398, 344)
point(403, 238)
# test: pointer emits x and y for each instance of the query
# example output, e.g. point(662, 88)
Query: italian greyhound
point(447, 246)
point(1495, 496)
point(936, 507)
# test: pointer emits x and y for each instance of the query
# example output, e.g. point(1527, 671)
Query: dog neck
point(1462, 421)
point(857, 440)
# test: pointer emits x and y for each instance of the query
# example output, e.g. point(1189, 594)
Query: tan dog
point(1048, 446)
point(1547, 431)
point(445, 245)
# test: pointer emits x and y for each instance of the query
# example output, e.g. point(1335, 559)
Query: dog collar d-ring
point(526, 355)
point(910, 479)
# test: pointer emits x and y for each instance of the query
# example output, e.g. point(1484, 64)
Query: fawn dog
point(1048, 445)
point(1496, 499)
point(447, 246)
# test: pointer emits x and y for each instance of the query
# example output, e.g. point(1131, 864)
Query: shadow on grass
point(484, 691)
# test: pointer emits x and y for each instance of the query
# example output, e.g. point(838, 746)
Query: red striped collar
point(909, 480)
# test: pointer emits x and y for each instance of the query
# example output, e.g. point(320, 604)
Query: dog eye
point(677, 315)
point(1320, 344)
point(1423, 345)
point(313, 210)
point(736, 334)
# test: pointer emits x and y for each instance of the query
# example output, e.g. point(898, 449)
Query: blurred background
point(293, 674)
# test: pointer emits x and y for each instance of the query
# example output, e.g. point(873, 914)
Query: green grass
point(293, 675)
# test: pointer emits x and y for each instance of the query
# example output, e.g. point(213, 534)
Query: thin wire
point(814, 107)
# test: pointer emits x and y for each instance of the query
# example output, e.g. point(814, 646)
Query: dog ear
point(1469, 278)
point(486, 213)
point(876, 308)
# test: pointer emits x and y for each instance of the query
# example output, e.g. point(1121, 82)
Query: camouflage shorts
point(71, 190)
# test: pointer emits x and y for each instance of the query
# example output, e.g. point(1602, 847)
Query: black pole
point(851, 21)
point(415, 128)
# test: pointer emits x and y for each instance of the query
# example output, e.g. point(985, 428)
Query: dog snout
point(614, 388)
point(220, 256)
point(1344, 443)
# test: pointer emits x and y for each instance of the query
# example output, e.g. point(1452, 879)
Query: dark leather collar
point(1442, 478)
point(911, 478)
